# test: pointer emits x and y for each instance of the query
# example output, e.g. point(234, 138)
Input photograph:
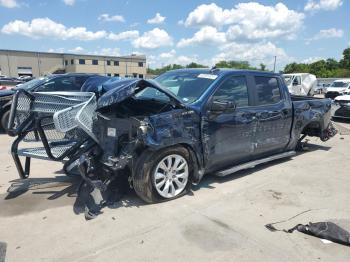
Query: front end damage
point(126, 129)
point(101, 134)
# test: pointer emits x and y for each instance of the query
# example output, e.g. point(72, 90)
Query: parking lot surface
point(222, 219)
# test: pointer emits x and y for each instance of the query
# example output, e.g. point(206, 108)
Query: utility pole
point(274, 65)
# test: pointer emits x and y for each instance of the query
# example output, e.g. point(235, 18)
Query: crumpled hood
point(337, 89)
point(117, 91)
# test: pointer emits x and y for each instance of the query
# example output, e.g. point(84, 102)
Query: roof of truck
point(221, 71)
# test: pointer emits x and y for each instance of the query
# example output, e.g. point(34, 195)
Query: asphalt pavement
point(222, 219)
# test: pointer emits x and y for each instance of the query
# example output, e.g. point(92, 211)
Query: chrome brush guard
point(54, 126)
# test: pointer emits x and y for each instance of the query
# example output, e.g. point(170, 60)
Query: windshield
point(32, 83)
point(187, 86)
point(340, 84)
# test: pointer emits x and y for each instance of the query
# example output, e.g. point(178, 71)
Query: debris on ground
point(324, 230)
point(91, 199)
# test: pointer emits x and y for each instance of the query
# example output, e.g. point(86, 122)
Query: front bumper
point(341, 109)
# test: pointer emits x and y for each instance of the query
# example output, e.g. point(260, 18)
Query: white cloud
point(207, 35)
point(56, 50)
point(158, 19)
point(310, 60)
point(170, 57)
point(255, 53)
point(248, 21)
point(326, 33)
point(313, 5)
point(330, 33)
point(114, 18)
point(127, 35)
point(134, 24)
point(153, 39)
point(107, 52)
point(69, 2)
point(45, 27)
point(9, 3)
point(204, 15)
point(77, 49)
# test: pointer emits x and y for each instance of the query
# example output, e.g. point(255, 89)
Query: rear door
point(274, 115)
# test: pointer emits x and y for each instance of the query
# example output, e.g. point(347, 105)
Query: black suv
point(64, 82)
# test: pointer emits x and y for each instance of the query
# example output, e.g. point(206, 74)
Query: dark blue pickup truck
point(165, 134)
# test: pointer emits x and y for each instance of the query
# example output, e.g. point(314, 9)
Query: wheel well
point(4, 109)
point(312, 129)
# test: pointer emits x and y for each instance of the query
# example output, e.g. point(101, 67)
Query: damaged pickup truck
point(165, 134)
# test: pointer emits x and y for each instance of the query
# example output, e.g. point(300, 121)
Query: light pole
point(274, 65)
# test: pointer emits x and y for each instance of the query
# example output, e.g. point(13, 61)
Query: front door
point(227, 134)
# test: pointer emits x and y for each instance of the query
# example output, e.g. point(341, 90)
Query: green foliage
point(323, 68)
point(262, 67)
point(235, 64)
point(164, 69)
point(221, 64)
point(195, 65)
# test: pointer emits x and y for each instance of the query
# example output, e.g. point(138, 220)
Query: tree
point(234, 64)
point(262, 67)
point(345, 62)
point(323, 68)
point(195, 65)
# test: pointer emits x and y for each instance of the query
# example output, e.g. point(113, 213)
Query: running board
point(254, 163)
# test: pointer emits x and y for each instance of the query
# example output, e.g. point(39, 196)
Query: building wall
point(42, 63)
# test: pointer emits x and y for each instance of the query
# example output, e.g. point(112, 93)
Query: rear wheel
point(163, 175)
point(5, 119)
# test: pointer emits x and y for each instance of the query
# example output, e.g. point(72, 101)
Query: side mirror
point(222, 106)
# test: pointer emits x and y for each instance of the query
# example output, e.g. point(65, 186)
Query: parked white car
point(338, 88)
point(341, 107)
point(301, 84)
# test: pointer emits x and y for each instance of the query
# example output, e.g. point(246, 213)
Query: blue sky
point(180, 31)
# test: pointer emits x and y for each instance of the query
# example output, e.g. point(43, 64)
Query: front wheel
point(5, 119)
point(163, 175)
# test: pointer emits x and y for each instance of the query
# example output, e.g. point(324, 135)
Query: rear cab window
point(267, 90)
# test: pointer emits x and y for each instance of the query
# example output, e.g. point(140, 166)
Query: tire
point(5, 119)
point(144, 179)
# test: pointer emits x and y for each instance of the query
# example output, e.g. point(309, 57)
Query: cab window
point(267, 89)
point(233, 89)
